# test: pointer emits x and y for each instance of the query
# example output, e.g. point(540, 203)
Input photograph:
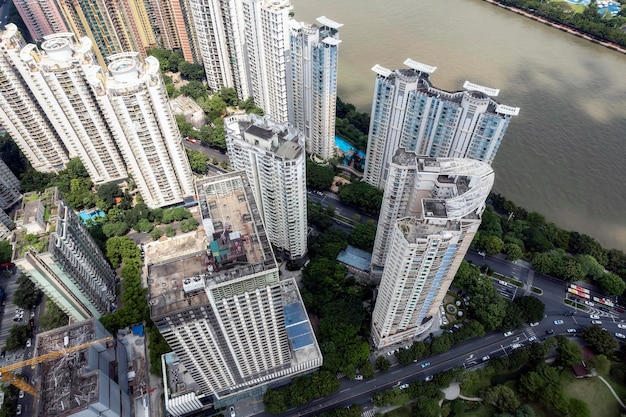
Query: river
point(564, 155)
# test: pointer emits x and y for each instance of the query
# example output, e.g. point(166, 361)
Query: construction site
point(81, 371)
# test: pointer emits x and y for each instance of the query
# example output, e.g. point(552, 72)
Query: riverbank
point(559, 26)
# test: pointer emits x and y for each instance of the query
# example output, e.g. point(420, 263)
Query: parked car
point(534, 324)
point(621, 326)
point(29, 343)
point(619, 335)
point(558, 321)
point(404, 386)
point(594, 317)
point(358, 377)
point(571, 330)
point(429, 378)
point(232, 411)
point(550, 331)
point(532, 339)
point(598, 322)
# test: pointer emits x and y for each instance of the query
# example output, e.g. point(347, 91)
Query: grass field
point(405, 411)
point(591, 390)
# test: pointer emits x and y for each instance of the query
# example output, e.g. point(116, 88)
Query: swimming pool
point(346, 147)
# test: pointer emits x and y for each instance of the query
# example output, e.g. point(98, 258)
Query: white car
point(28, 343)
point(558, 321)
point(19, 409)
point(429, 378)
point(571, 330)
point(594, 317)
point(598, 322)
point(619, 335)
point(621, 326)
point(486, 358)
point(535, 324)
point(21, 395)
point(232, 411)
point(532, 339)
point(589, 303)
point(404, 386)
point(358, 377)
point(507, 334)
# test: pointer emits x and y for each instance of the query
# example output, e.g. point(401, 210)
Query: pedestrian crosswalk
point(368, 413)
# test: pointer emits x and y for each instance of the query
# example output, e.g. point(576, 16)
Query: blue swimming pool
point(346, 147)
point(90, 214)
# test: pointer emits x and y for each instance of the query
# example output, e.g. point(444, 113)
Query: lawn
point(593, 391)
point(405, 411)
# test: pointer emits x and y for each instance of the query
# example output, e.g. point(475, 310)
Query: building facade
point(21, 113)
point(57, 74)
point(217, 299)
point(55, 251)
point(273, 156)
point(133, 97)
point(90, 382)
point(313, 66)
point(10, 188)
point(408, 112)
point(41, 17)
point(431, 211)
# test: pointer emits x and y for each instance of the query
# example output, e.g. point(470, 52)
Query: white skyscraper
point(21, 113)
point(272, 155)
point(314, 53)
point(431, 211)
point(408, 112)
point(218, 300)
point(57, 74)
point(266, 24)
point(134, 100)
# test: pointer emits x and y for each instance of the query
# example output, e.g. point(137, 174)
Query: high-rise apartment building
point(41, 17)
point(220, 38)
point(113, 26)
point(133, 97)
point(10, 189)
point(58, 75)
point(90, 382)
point(6, 225)
point(313, 66)
point(273, 156)
point(218, 300)
point(174, 27)
point(408, 112)
point(55, 251)
point(21, 113)
point(266, 24)
point(431, 211)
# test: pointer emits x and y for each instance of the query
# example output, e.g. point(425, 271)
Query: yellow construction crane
point(11, 378)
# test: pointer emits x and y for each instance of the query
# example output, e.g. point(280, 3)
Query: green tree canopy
point(319, 177)
point(363, 235)
point(532, 308)
point(611, 284)
point(362, 196)
point(6, 251)
point(26, 293)
point(198, 161)
point(600, 340)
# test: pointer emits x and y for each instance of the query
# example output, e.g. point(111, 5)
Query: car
point(232, 411)
point(589, 303)
point(19, 409)
point(535, 324)
point(358, 377)
point(29, 343)
point(486, 358)
point(425, 364)
point(619, 335)
point(32, 314)
point(390, 352)
point(429, 378)
point(516, 345)
point(21, 395)
point(598, 322)
point(550, 331)
point(507, 334)
point(621, 326)
point(502, 282)
point(571, 330)
point(558, 321)
point(404, 386)
point(594, 317)
point(532, 339)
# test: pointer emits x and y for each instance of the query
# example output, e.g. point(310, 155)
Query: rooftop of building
point(68, 384)
point(35, 221)
point(414, 229)
point(179, 381)
point(262, 132)
point(231, 244)
point(185, 104)
point(355, 257)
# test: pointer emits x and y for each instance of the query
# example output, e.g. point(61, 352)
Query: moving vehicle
point(232, 411)
point(534, 324)
point(429, 378)
point(486, 358)
point(619, 335)
point(425, 364)
point(598, 322)
point(21, 395)
point(507, 334)
point(594, 317)
point(19, 409)
point(404, 386)
point(550, 331)
point(558, 321)
point(358, 377)
point(621, 326)
point(571, 330)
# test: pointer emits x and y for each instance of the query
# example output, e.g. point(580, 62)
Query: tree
point(362, 196)
point(53, 317)
point(601, 363)
point(600, 340)
point(426, 407)
point(18, 335)
point(318, 176)
point(382, 363)
point(144, 226)
point(198, 161)
point(513, 252)
point(229, 95)
point(513, 317)
point(115, 229)
point(6, 251)
point(189, 71)
point(612, 284)
point(568, 352)
point(532, 308)
point(156, 233)
point(107, 195)
point(363, 235)
point(493, 244)
point(501, 397)
point(26, 294)
point(274, 401)
point(195, 90)
point(578, 408)
point(590, 266)
point(367, 370)
point(543, 263)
